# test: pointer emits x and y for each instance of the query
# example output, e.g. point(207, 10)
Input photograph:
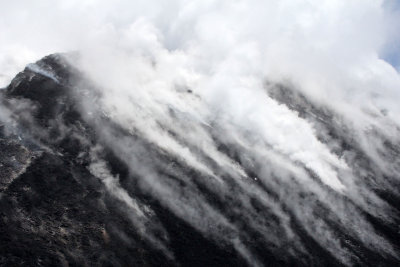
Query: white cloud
point(186, 75)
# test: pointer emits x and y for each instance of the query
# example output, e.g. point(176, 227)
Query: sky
point(331, 49)
point(31, 30)
point(391, 51)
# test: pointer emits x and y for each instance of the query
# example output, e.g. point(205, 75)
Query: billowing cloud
point(194, 77)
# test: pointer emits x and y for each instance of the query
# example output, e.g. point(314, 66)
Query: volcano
point(88, 182)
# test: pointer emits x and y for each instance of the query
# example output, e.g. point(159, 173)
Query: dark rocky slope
point(55, 211)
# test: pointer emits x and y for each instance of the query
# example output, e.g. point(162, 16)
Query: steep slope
point(80, 184)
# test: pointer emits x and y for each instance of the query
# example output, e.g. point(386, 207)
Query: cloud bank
point(194, 77)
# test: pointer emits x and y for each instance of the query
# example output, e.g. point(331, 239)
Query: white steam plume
point(188, 76)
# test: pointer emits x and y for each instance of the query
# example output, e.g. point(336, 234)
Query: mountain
point(78, 187)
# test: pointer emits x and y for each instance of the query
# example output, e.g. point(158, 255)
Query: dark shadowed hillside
point(78, 187)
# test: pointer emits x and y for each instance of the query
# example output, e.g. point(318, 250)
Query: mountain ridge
point(72, 193)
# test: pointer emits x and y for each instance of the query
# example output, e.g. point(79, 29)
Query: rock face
point(53, 210)
point(70, 194)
